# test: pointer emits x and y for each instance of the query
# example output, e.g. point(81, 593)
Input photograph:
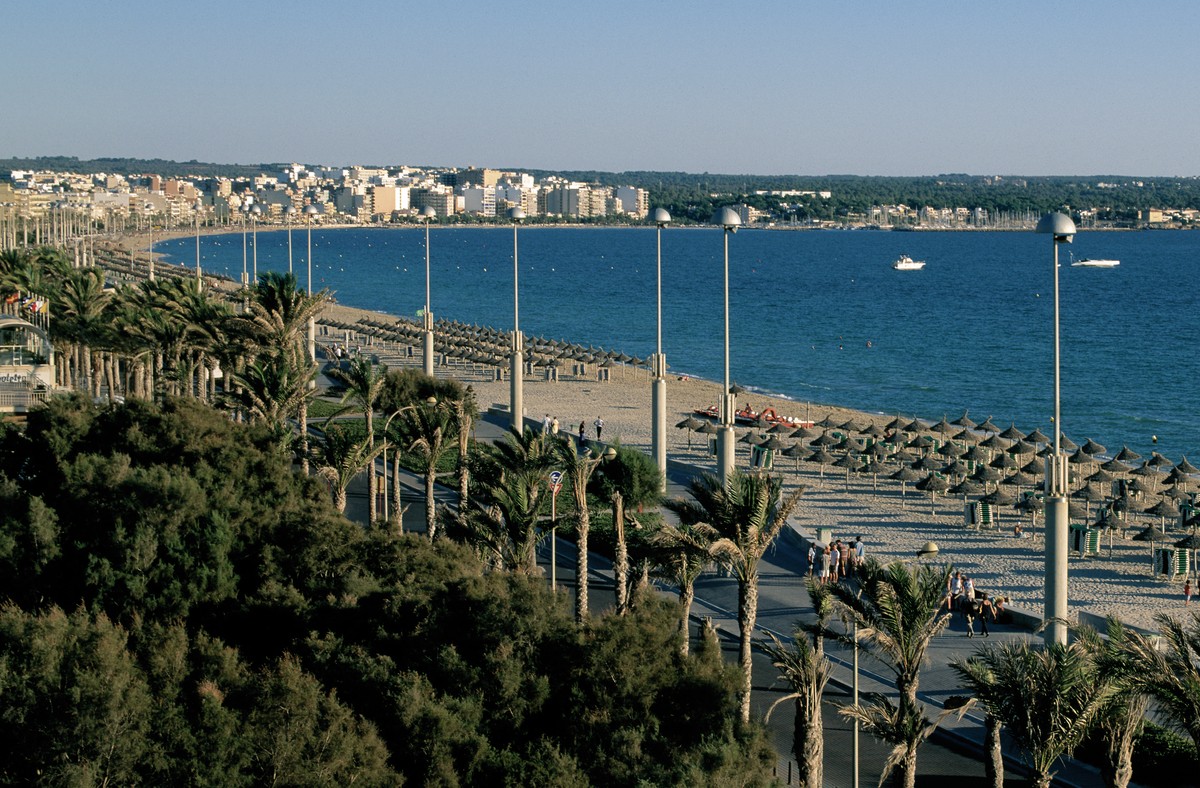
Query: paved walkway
point(952, 757)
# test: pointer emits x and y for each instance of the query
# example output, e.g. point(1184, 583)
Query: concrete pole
point(658, 392)
point(517, 361)
point(726, 440)
point(427, 316)
point(1056, 504)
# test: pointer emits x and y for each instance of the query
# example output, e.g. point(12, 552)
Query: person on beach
point(844, 569)
point(812, 557)
point(968, 588)
point(546, 424)
point(554, 426)
point(835, 557)
point(954, 589)
point(599, 425)
point(1187, 592)
point(581, 438)
point(823, 564)
point(860, 553)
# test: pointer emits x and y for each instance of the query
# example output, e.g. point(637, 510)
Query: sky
point(1021, 87)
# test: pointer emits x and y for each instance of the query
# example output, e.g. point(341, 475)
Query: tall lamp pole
point(1062, 229)
point(288, 213)
point(310, 212)
point(658, 394)
point(150, 227)
point(199, 280)
point(728, 220)
point(427, 214)
point(518, 343)
point(245, 264)
point(255, 212)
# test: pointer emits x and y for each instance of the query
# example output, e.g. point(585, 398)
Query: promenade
point(954, 755)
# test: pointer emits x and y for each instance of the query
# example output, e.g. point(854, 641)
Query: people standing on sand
point(581, 438)
point(599, 425)
point(546, 424)
point(835, 558)
point(845, 559)
point(1187, 592)
point(554, 426)
point(823, 564)
point(860, 553)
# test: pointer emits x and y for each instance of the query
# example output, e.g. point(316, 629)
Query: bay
point(819, 317)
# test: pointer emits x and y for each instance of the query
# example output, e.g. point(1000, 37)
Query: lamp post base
point(659, 425)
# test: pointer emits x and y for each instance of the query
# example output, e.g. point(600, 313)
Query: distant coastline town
point(40, 204)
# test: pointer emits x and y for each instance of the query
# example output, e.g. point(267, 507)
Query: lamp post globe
point(658, 384)
point(728, 220)
point(427, 215)
point(1062, 230)
point(517, 360)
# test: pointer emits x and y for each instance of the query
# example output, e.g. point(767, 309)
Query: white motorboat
point(1087, 262)
point(906, 263)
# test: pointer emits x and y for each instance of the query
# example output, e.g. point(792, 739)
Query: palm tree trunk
point(687, 594)
point(581, 568)
point(621, 556)
point(993, 767)
point(339, 498)
point(397, 514)
point(302, 418)
point(430, 510)
point(747, 616)
point(371, 513)
point(808, 741)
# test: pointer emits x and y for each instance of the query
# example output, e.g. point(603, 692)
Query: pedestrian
point(554, 426)
point(1187, 592)
point(835, 558)
point(823, 564)
point(581, 438)
point(599, 425)
point(860, 554)
point(953, 590)
point(812, 556)
point(844, 566)
point(546, 424)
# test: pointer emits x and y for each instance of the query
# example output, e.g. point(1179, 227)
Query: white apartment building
point(479, 200)
point(390, 199)
point(633, 200)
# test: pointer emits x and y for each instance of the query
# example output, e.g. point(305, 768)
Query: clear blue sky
point(1031, 87)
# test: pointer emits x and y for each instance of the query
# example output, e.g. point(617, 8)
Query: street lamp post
point(1062, 229)
point(310, 212)
point(199, 280)
point(518, 344)
point(245, 259)
point(728, 220)
point(659, 366)
point(150, 227)
point(288, 213)
point(255, 212)
point(427, 214)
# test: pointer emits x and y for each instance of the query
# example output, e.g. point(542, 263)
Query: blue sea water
point(819, 317)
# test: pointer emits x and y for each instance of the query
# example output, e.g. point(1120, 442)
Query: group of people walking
point(834, 562)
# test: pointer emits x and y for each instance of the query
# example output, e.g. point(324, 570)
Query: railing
point(21, 401)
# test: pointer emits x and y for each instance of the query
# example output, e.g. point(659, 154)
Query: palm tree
point(630, 481)
point(514, 476)
point(748, 512)
point(273, 387)
point(280, 317)
point(427, 428)
point(1170, 675)
point(1123, 718)
point(1049, 696)
point(982, 682)
point(682, 552)
point(81, 305)
point(578, 467)
point(898, 612)
point(806, 670)
point(341, 458)
point(363, 380)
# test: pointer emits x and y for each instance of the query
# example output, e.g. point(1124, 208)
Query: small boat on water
point(1088, 262)
point(906, 263)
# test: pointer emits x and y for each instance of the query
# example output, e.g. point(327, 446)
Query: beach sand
point(893, 526)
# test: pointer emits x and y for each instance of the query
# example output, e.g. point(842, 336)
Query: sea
point(819, 317)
